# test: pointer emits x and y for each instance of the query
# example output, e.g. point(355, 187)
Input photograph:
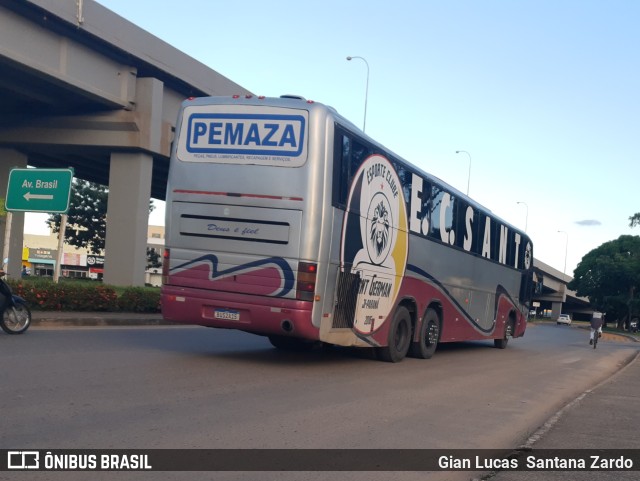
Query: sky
point(542, 94)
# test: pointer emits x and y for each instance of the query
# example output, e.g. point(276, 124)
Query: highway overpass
point(82, 87)
point(552, 295)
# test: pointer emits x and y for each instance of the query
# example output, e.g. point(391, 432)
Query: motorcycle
point(16, 316)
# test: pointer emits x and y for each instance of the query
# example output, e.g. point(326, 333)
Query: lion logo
point(379, 234)
point(375, 241)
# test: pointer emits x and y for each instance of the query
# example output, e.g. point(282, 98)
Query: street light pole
point(366, 92)
point(526, 219)
point(469, 176)
point(566, 248)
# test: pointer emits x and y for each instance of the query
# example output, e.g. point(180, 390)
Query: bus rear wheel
point(428, 337)
point(399, 338)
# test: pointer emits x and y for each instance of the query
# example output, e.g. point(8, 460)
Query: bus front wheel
point(399, 338)
point(508, 332)
point(428, 337)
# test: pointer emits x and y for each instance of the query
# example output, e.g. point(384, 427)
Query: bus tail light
point(306, 284)
point(165, 266)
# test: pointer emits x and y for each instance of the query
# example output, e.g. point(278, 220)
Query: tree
point(634, 220)
point(153, 258)
point(87, 217)
point(610, 277)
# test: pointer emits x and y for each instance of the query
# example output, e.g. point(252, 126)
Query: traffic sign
point(39, 190)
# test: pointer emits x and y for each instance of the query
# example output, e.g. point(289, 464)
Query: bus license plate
point(226, 315)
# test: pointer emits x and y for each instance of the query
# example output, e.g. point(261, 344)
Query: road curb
point(51, 319)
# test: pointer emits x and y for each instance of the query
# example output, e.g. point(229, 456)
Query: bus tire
point(399, 338)
point(291, 344)
point(428, 337)
point(508, 332)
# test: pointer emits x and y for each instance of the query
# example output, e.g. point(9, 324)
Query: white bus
point(285, 220)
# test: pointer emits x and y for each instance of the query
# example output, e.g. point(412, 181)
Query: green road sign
point(39, 190)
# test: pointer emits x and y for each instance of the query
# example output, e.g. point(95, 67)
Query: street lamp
point(469, 176)
point(566, 247)
point(526, 219)
point(366, 92)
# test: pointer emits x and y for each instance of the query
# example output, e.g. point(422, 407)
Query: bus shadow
point(244, 347)
point(331, 354)
point(199, 342)
point(464, 346)
point(320, 355)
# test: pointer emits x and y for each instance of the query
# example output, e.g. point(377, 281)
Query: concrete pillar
point(149, 107)
point(10, 159)
point(556, 309)
point(127, 219)
point(130, 191)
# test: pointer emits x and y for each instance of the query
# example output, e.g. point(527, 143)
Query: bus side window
point(345, 174)
point(348, 156)
point(359, 154)
point(483, 233)
point(427, 208)
point(405, 177)
point(527, 286)
point(460, 225)
point(472, 230)
point(437, 194)
point(442, 219)
point(512, 250)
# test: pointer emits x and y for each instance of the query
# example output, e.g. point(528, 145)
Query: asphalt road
point(191, 387)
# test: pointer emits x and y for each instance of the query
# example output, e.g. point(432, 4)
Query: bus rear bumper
point(256, 314)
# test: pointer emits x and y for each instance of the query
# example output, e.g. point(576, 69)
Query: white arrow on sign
point(30, 196)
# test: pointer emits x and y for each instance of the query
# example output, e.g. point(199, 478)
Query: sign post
point(41, 190)
point(7, 237)
point(60, 256)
